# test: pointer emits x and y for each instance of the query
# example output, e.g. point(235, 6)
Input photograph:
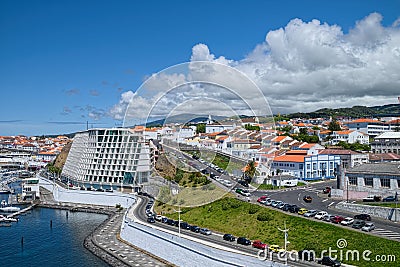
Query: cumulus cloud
point(117, 112)
point(302, 67)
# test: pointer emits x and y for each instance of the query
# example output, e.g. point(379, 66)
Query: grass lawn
point(381, 204)
point(230, 215)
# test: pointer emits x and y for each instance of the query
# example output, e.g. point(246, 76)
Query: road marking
point(331, 204)
point(325, 200)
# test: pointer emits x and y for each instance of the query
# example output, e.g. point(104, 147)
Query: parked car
point(310, 213)
point(227, 183)
point(294, 209)
point(307, 199)
point(320, 215)
point(268, 202)
point(259, 244)
point(276, 203)
point(368, 227)
point(286, 207)
point(328, 261)
point(243, 241)
point(243, 183)
point(276, 249)
point(358, 224)
point(195, 228)
point(185, 225)
point(170, 222)
point(159, 217)
point(337, 219)
point(302, 211)
point(151, 220)
point(347, 221)
point(229, 237)
point(245, 193)
point(389, 199)
point(205, 231)
point(164, 220)
point(365, 217)
point(280, 205)
point(328, 217)
point(372, 199)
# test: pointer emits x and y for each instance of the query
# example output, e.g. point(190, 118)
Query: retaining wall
point(185, 252)
point(87, 197)
point(377, 211)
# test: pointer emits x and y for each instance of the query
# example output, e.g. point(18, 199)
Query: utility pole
point(285, 231)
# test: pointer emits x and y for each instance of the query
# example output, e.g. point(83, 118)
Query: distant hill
point(354, 112)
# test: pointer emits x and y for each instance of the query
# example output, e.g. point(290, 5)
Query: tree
point(250, 127)
point(334, 125)
point(303, 131)
point(200, 128)
point(250, 170)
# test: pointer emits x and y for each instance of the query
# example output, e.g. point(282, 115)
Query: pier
point(22, 211)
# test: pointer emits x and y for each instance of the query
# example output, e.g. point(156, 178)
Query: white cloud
point(303, 66)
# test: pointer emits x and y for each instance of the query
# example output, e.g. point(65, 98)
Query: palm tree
point(250, 170)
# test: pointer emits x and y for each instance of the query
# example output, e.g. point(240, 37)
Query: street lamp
point(285, 231)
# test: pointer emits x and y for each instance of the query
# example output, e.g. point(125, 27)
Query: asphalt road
point(322, 202)
point(215, 238)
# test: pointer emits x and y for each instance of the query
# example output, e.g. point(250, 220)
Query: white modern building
point(388, 142)
point(116, 156)
point(30, 189)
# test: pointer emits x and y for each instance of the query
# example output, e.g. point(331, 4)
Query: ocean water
point(43, 245)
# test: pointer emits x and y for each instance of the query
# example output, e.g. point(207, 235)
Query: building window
point(368, 181)
point(385, 182)
point(352, 180)
point(398, 183)
point(314, 166)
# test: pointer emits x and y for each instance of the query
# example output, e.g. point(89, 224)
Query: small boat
point(9, 209)
point(4, 191)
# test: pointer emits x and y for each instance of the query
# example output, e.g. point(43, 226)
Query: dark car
point(243, 183)
point(286, 207)
point(151, 220)
point(170, 222)
point(243, 241)
point(389, 199)
point(306, 255)
point(185, 225)
point(328, 261)
point(364, 217)
point(164, 220)
point(229, 237)
point(307, 199)
point(195, 229)
point(294, 208)
point(358, 224)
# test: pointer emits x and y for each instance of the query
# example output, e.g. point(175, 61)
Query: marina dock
point(22, 211)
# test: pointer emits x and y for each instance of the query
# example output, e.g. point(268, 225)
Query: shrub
point(263, 216)
point(253, 209)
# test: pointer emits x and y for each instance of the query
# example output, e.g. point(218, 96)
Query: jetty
point(22, 211)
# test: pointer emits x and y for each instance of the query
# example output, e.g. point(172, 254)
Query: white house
point(350, 136)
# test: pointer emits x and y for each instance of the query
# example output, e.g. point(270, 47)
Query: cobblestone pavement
point(106, 238)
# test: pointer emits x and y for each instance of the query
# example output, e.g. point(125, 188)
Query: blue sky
point(63, 63)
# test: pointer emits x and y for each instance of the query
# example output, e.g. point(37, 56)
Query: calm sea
point(59, 245)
